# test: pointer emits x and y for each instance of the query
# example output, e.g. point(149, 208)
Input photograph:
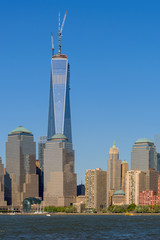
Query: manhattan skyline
point(114, 52)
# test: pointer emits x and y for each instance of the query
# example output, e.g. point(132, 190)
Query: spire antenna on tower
point(52, 43)
point(60, 31)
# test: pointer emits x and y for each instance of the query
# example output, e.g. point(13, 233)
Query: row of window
point(59, 79)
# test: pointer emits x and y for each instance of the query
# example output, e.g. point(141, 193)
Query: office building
point(114, 169)
point(124, 169)
point(3, 203)
point(60, 185)
point(152, 180)
point(21, 180)
point(40, 178)
point(80, 189)
point(158, 162)
point(41, 145)
point(135, 183)
point(157, 144)
point(40, 166)
point(96, 189)
point(59, 118)
point(114, 172)
point(143, 155)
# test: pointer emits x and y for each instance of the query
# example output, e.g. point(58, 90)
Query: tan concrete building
point(152, 180)
point(135, 183)
point(80, 203)
point(124, 169)
point(3, 203)
point(20, 180)
point(114, 169)
point(60, 180)
point(114, 172)
point(96, 188)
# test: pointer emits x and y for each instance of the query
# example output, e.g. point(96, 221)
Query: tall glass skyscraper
point(60, 180)
point(59, 118)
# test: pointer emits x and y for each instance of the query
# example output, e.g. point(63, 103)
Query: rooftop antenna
point(60, 31)
point(52, 44)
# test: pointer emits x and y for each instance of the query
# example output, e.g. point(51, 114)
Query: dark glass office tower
point(59, 118)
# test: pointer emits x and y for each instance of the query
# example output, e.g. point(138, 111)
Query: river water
point(79, 227)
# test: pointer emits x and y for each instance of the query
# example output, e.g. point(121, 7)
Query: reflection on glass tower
point(59, 118)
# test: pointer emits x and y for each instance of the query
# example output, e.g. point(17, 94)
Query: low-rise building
point(148, 197)
point(151, 197)
point(118, 198)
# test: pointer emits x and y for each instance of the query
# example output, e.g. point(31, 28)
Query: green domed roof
point(20, 129)
point(143, 140)
point(119, 192)
point(59, 136)
point(124, 161)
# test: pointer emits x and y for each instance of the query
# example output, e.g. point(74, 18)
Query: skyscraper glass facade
point(59, 118)
point(144, 155)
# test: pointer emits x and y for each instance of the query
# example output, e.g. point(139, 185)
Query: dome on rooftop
point(124, 161)
point(143, 140)
point(20, 129)
point(59, 136)
point(119, 192)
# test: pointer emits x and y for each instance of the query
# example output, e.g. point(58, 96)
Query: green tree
point(131, 207)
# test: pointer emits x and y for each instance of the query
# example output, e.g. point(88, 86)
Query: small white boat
point(48, 215)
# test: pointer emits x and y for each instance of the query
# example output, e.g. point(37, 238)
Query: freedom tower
point(59, 118)
point(60, 179)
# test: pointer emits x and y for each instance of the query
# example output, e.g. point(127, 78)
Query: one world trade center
point(59, 117)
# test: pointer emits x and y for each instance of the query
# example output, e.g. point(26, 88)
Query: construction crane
point(52, 43)
point(60, 31)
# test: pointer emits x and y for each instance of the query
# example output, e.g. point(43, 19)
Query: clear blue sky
point(114, 52)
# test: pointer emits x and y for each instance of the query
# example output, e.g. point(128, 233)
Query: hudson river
point(79, 227)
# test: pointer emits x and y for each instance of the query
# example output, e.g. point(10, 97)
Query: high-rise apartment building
point(124, 169)
point(60, 185)
point(135, 183)
point(96, 188)
point(143, 155)
point(21, 179)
